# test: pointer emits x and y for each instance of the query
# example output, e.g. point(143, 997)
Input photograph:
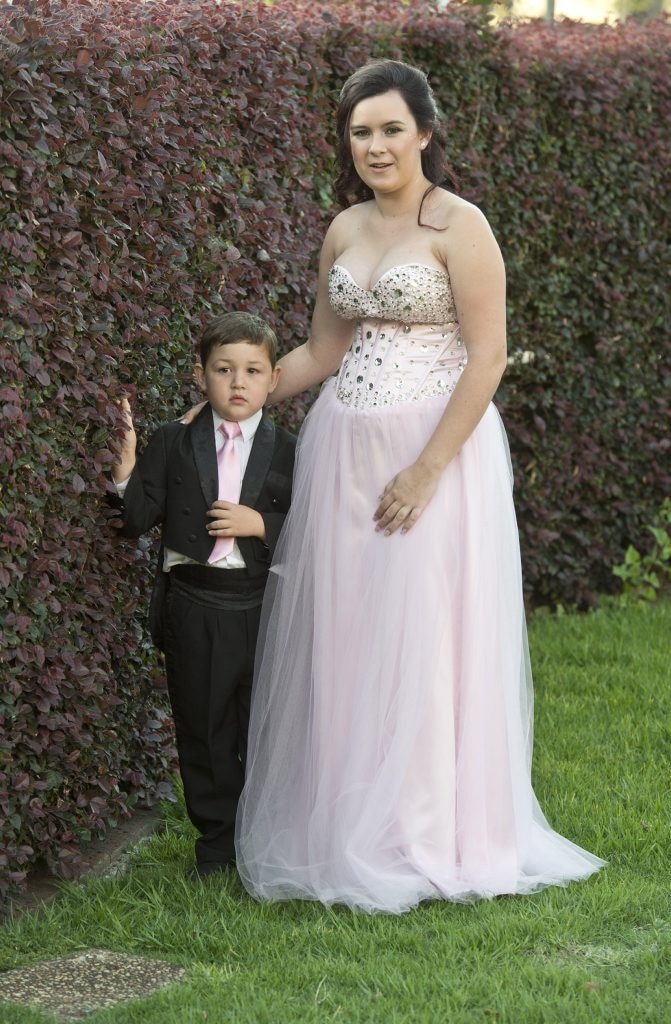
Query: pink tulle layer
point(391, 732)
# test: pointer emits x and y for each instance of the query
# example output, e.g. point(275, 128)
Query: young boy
point(221, 487)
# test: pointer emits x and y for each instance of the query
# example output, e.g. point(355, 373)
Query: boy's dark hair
point(231, 327)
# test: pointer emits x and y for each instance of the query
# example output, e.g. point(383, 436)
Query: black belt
point(218, 588)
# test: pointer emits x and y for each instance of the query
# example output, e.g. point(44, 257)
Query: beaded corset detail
point(407, 345)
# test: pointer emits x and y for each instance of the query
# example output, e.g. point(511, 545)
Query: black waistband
point(234, 581)
point(222, 600)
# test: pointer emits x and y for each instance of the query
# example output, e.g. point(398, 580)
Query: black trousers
point(209, 653)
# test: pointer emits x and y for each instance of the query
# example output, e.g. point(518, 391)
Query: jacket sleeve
point(273, 522)
point(144, 501)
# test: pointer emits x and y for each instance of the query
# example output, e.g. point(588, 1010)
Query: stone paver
point(71, 987)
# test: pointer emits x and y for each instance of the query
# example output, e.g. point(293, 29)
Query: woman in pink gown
point(391, 731)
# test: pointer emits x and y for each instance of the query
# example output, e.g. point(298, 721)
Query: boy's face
point(237, 379)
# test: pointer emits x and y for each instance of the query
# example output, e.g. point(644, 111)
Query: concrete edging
point(102, 855)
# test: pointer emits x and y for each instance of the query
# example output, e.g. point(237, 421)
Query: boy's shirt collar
point(248, 427)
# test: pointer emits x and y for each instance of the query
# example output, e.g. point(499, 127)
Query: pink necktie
point(228, 462)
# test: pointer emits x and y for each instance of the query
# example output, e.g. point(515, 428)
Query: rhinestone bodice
point(411, 293)
point(407, 345)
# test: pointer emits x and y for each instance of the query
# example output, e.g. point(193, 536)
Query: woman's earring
point(422, 145)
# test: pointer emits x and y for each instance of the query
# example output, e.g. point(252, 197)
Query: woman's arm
point(477, 276)
point(330, 335)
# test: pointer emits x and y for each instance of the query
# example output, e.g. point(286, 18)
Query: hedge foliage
point(161, 161)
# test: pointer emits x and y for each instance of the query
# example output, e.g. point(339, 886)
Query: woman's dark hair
point(373, 79)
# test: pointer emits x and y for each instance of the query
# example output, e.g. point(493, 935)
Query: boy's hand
point(230, 520)
point(122, 469)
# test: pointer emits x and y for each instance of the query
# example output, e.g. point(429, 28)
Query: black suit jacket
point(175, 481)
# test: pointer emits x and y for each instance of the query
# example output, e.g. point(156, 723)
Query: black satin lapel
point(260, 458)
point(205, 454)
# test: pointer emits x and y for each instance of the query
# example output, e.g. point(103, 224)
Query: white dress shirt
point(243, 442)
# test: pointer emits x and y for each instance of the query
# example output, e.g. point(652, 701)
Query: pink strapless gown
point(391, 730)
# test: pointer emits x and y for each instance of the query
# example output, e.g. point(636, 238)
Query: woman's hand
point(405, 497)
point(189, 416)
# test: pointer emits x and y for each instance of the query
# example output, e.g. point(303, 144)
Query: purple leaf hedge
point(160, 162)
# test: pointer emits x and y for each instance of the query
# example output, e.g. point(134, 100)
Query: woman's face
point(385, 142)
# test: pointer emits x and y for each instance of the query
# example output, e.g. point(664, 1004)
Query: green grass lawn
point(598, 951)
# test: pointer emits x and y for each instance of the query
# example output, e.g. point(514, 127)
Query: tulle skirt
point(390, 741)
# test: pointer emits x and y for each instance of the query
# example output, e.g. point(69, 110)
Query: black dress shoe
point(209, 867)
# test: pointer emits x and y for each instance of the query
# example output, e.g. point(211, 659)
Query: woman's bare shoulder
point(344, 230)
point(452, 210)
point(351, 218)
point(463, 228)
point(460, 224)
